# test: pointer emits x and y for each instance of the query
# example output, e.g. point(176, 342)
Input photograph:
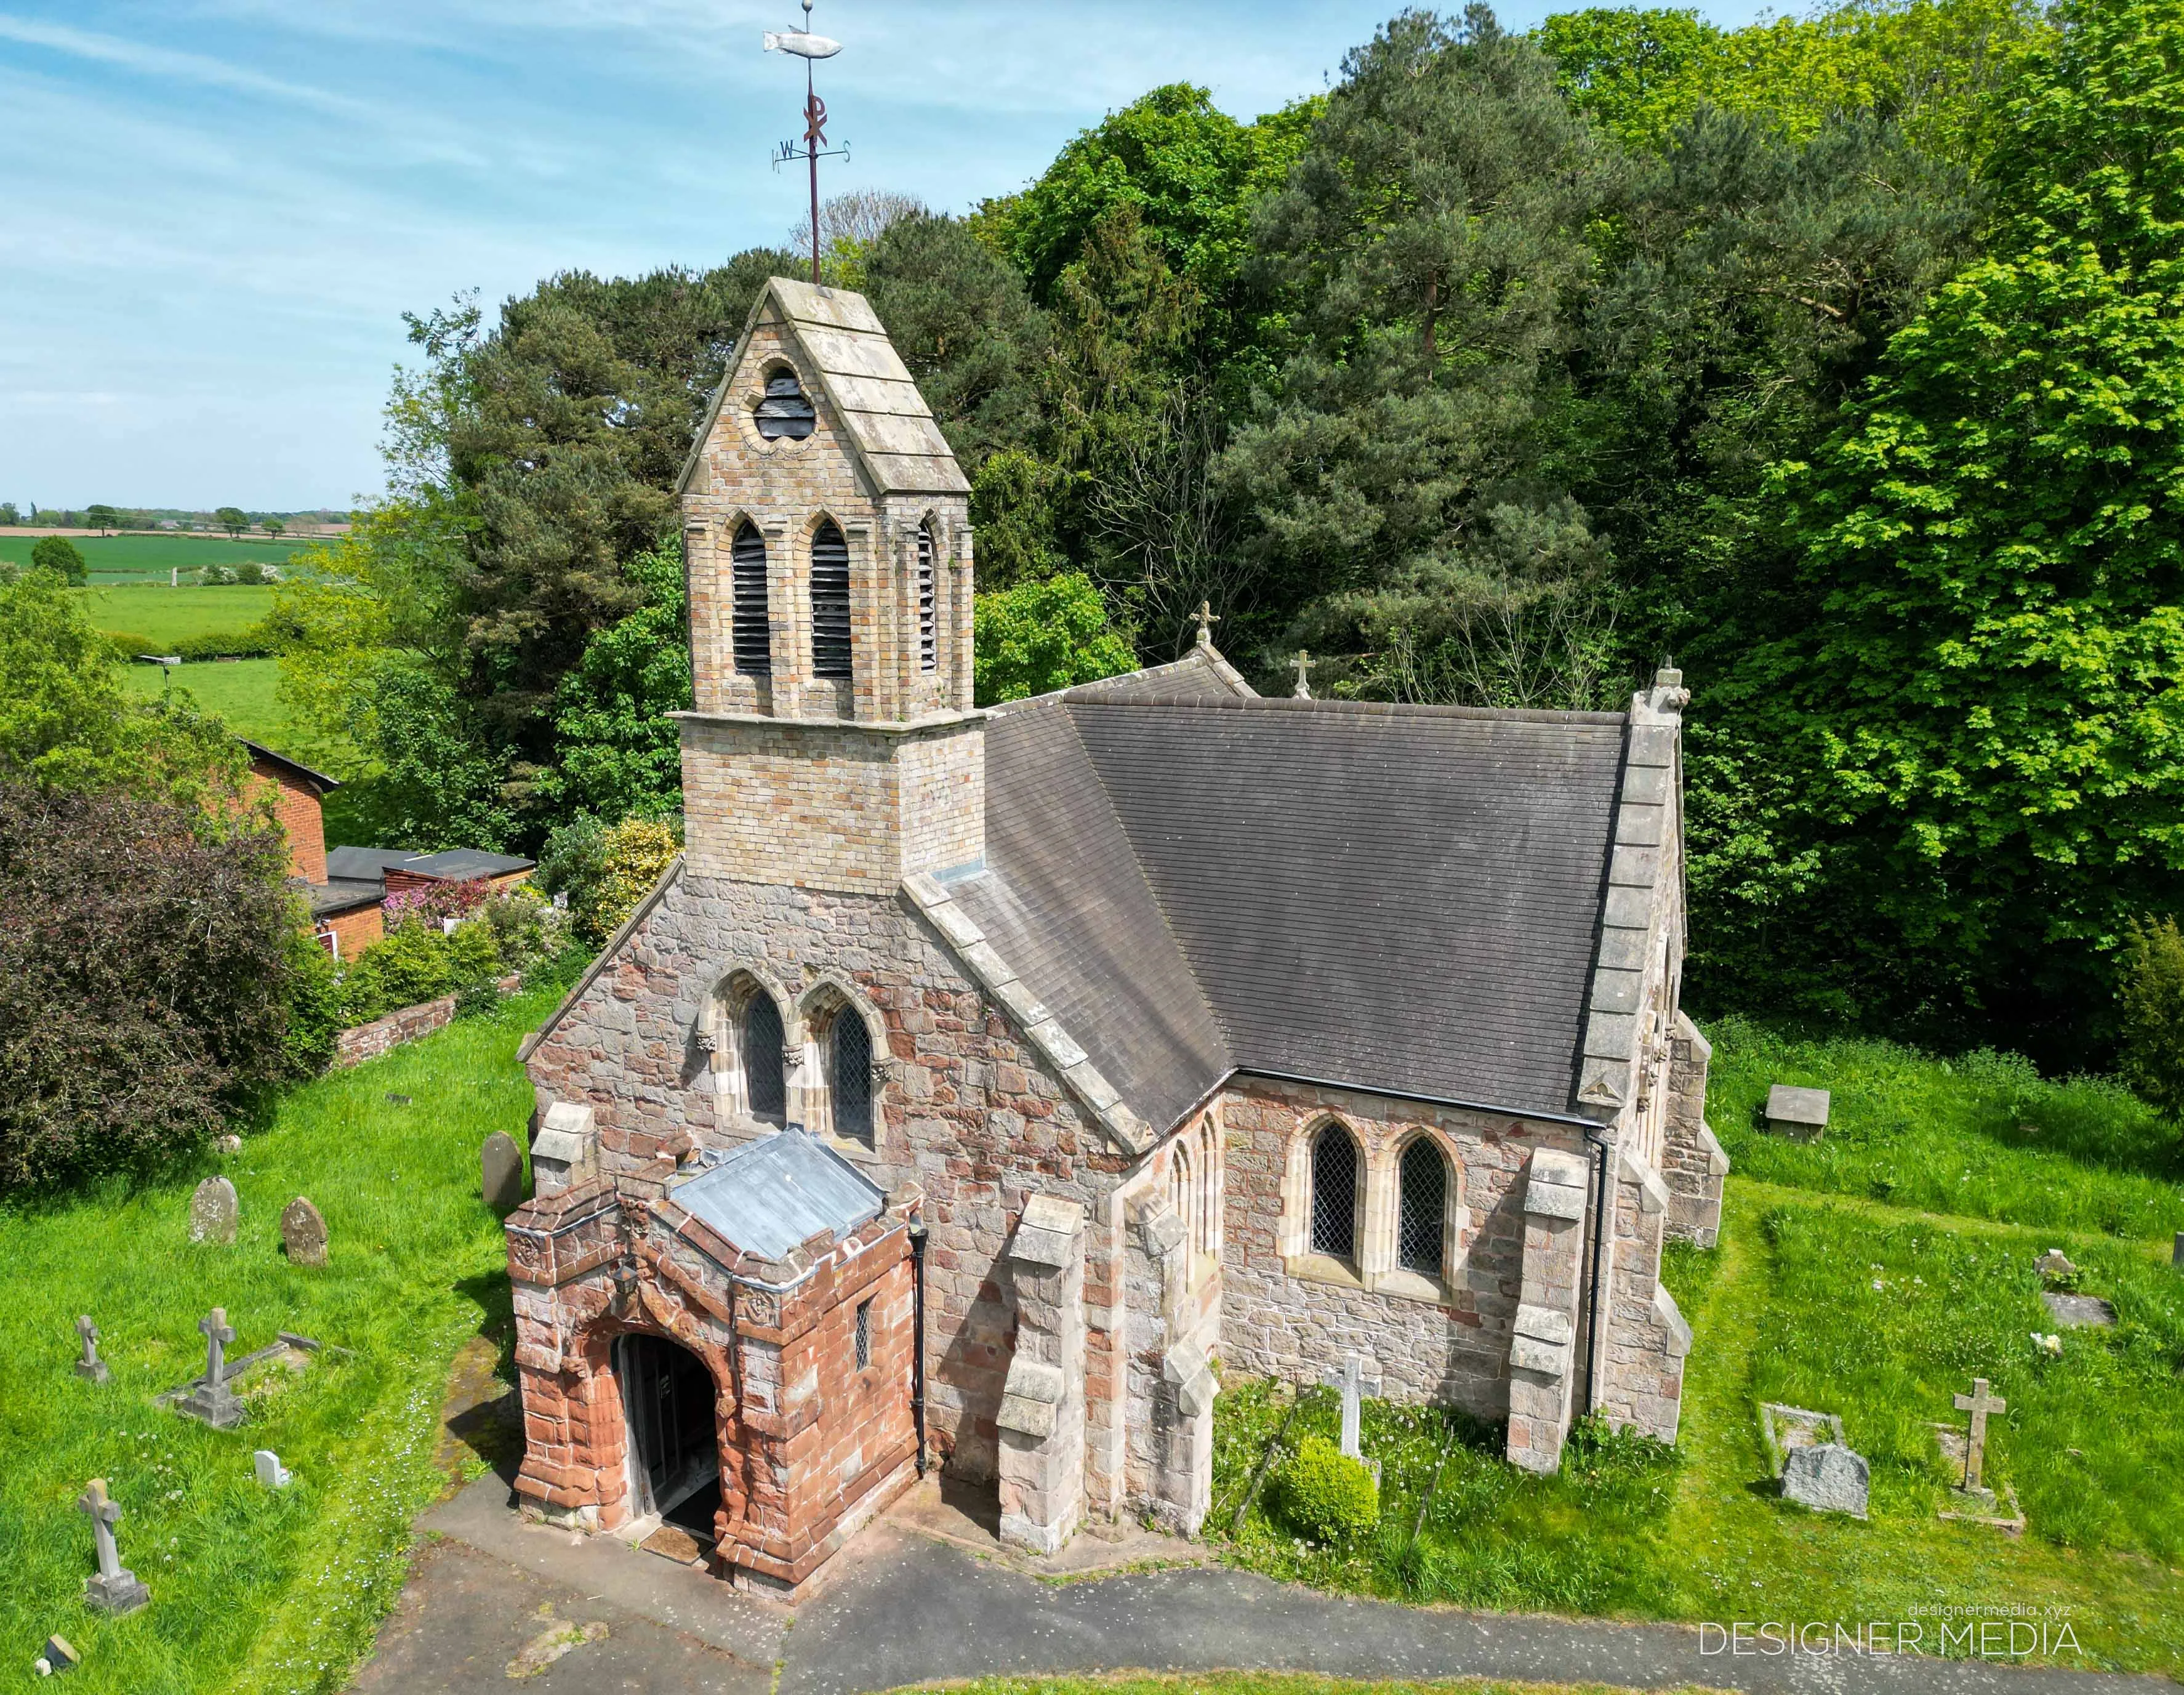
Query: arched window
point(1180, 1197)
point(929, 640)
point(850, 1075)
point(765, 1090)
point(753, 642)
point(1423, 1205)
point(786, 408)
point(1335, 1193)
point(830, 602)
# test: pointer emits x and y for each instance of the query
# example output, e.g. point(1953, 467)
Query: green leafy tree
point(232, 519)
point(1041, 636)
point(62, 557)
point(273, 528)
point(102, 519)
point(1987, 718)
point(2150, 1000)
point(8, 514)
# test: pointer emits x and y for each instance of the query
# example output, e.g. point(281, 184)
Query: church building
point(978, 1077)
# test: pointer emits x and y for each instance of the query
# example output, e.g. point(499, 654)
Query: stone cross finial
point(1304, 663)
point(1207, 618)
point(90, 1365)
point(218, 1335)
point(1979, 1404)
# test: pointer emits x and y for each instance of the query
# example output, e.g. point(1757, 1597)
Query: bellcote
point(826, 527)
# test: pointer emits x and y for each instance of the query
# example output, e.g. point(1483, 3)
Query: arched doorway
point(674, 1443)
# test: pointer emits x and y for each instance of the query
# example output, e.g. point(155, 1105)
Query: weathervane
point(808, 47)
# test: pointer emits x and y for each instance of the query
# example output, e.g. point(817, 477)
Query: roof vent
point(786, 410)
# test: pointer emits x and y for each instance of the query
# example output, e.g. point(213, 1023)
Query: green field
point(241, 691)
point(147, 557)
point(252, 1590)
point(160, 614)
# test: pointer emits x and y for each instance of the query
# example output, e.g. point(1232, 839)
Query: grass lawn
point(254, 1590)
point(1872, 1310)
point(147, 557)
point(243, 691)
point(161, 614)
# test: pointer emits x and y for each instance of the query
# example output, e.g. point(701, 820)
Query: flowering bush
point(437, 902)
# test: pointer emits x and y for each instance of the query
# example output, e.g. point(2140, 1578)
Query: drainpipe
point(1601, 1146)
point(918, 1338)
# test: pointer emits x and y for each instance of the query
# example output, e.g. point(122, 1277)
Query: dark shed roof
point(1403, 899)
point(318, 779)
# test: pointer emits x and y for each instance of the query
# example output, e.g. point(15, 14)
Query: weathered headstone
point(2176, 1251)
point(2074, 1312)
point(2054, 1268)
point(228, 1144)
point(500, 1172)
point(1827, 1477)
point(1979, 1404)
point(91, 1366)
point(211, 1399)
point(212, 1211)
point(270, 1472)
point(1353, 1379)
point(303, 1233)
point(115, 1588)
point(1800, 1114)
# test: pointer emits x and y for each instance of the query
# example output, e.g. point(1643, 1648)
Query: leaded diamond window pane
point(753, 644)
point(830, 603)
point(763, 1086)
point(1424, 1204)
point(1334, 1194)
point(849, 1082)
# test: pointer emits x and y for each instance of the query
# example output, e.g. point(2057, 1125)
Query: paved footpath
point(490, 1596)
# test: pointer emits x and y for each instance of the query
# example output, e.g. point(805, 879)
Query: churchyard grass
point(1981, 1136)
point(254, 1590)
point(163, 616)
point(151, 558)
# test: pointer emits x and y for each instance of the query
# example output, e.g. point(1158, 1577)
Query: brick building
point(1162, 1022)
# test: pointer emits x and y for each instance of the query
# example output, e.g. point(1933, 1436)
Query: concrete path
point(908, 1602)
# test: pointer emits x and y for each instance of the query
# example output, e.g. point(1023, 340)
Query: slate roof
point(869, 389)
point(1402, 898)
point(452, 864)
point(768, 1195)
point(324, 784)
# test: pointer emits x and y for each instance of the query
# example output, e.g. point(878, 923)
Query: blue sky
point(217, 211)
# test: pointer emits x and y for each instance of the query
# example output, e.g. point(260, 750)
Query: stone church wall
point(966, 1111)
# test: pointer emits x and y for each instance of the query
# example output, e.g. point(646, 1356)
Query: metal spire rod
point(808, 47)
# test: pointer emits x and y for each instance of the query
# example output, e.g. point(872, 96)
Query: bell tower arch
point(825, 528)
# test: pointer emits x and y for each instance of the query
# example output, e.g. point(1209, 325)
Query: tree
point(145, 956)
point(62, 557)
point(1041, 636)
point(232, 519)
point(1986, 720)
point(273, 528)
point(8, 514)
point(101, 518)
point(2150, 999)
point(848, 225)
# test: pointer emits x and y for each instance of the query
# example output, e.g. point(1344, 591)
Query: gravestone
point(270, 1472)
point(1353, 1379)
point(1800, 1114)
point(115, 1588)
point(2054, 1268)
point(60, 1654)
point(2073, 1312)
point(1979, 1404)
point(212, 1211)
point(210, 1399)
point(2176, 1251)
point(1827, 1477)
point(303, 1233)
point(91, 1366)
point(228, 1144)
point(500, 1172)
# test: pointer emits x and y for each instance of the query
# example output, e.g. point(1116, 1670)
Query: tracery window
point(1421, 1208)
point(1334, 1189)
point(830, 602)
point(785, 410)
point(752, 640)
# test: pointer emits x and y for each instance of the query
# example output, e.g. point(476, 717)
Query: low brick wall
point(382, 1036)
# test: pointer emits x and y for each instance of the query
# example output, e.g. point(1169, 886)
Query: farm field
point(241, 691)
point(120, 558)
point(160, 614)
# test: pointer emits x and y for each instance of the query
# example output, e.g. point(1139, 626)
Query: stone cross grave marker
point(212, 1400)
point(303, 1233)
point(116, 1588)
point(91, 1366)
point(1979, 1404)
point(500, 1172)
point(1353, 1379)
point(212, 1211)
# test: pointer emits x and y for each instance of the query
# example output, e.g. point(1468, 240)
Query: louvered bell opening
point(786, 410)
point(928, 645)
point(1334, 1195)
point(766, 1089)
point(850, 1081)
point(1424, 1203)
point(754, 650)
point(830, 603)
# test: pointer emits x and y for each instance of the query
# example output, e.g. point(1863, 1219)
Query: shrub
point(145, 972)
point(215, 576)
point(437, 902)
point(1326, 1495)
point(605, 871)
point(314, 1007)
point(411, 964)
point(2150, 999)
point(1041, 636)
point(250, 572)
point(62, 557)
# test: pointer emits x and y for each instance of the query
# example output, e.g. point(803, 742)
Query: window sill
point(1320, 1267)
point(1412, 1285)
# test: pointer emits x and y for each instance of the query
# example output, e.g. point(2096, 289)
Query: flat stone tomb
point(1783, 1429)
point(114, 1588)
point(2077, 1312)
point(1827, 1477)
point(1800, 1114)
